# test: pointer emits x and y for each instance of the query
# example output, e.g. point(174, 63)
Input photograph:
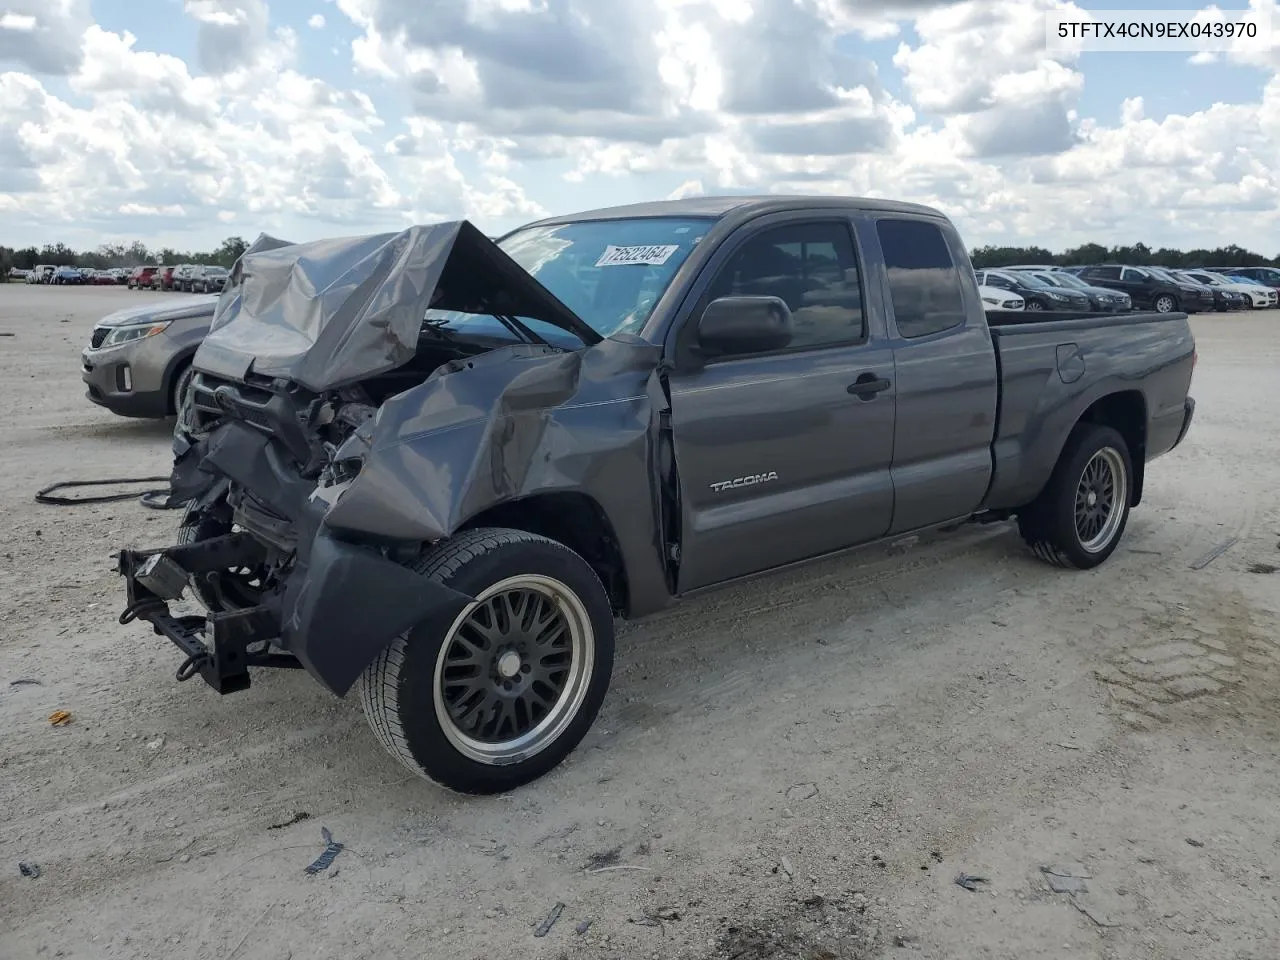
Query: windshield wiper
point(519, 329)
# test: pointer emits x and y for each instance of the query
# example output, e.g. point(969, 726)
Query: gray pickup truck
point(435, 468)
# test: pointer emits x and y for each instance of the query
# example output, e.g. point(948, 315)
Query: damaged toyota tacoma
point(434, 468)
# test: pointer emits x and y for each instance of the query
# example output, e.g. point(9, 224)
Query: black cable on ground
point(156, 499)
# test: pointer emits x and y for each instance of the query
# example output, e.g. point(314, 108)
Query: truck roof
point(718, 207)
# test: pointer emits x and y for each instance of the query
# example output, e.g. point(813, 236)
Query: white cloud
point(515, 107)
point(18, 22)
point(42, 36)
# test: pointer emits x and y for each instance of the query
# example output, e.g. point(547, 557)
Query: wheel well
point(1126, 413)
point(575, 520)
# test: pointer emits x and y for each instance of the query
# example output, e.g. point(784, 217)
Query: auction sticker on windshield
point(652, 255)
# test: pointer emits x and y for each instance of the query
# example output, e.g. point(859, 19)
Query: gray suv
point(209, 279)
point(138, 361)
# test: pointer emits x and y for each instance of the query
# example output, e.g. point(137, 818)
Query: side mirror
point(735, 325)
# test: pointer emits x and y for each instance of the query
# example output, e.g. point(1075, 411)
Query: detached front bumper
point(336, 613)
point(331, 604)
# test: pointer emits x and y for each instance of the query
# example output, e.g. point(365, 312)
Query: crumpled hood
point(330, 313)
point(171, 308)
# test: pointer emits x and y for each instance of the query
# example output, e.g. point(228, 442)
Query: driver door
point(779, 460)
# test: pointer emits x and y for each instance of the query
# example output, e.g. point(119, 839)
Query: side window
point(1130, 274)
point(924, 283)
point(813, 269)
point(1104, 273)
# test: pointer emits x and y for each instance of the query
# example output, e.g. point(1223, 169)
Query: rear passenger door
point(947, 382)
point(779, 458)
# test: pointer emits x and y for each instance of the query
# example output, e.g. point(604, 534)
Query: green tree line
point(1139, 254)
point(110, 255)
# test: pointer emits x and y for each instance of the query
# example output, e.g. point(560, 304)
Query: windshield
point(1063, 279)
point(1164, 274)
point(1025, 279)
point(609, 272)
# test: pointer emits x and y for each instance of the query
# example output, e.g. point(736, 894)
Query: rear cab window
point(924, 284)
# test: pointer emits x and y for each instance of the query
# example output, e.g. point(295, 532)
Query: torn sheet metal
point(329, 313)
point(518, 421)
point(515, 421)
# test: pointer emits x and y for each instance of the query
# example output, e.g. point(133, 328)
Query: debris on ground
point(785, 866)
point(29, 870)
point(331, 851)
point(1093, 912)
point(60, 718)
point(802, 791)
point(296, 818)
point(1194, 842)
point(1071, 885)
point(25, 682)
point(1214, 554)
point(970, 882)
point(1263, 568)
point(545, 926)
point(1069, 878)
point(603, 858)
point(155, 744)
point(582, 928)
point(1068, 869)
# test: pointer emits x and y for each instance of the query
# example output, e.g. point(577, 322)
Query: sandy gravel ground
point(799, 768)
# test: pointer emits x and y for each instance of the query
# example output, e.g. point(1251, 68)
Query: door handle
point(868, 385)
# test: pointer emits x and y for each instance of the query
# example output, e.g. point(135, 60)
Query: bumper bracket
point(220, 647)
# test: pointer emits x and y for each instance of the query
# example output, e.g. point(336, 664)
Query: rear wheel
point(504, 694)
point(1080, 516)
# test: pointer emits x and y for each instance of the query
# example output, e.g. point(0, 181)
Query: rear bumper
point(1188, 413)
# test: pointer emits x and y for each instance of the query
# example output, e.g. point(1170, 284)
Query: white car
point(1254, 288)
point(994, 298)
point(1259, 296)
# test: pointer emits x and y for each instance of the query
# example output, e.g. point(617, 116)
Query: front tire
point(1165, 304)
point(507, 691)
point(1034, 305)
point(1080, 516)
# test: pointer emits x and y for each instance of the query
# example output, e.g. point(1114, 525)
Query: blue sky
point(183, 121)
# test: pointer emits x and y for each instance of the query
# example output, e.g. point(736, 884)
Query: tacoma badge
point(723, 485)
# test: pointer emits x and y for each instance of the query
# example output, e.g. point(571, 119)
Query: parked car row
point(1117, 288)
point(47, 273)
point(188, 277)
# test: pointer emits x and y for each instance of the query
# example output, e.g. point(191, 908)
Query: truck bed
point(1053, 366)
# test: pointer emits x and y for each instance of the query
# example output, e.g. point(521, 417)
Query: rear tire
point(511, 687)
point(1080, 516)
